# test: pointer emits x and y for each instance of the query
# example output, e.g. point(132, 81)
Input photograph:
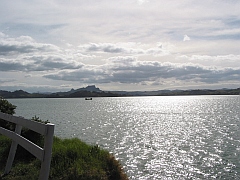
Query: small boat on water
point(88, 98)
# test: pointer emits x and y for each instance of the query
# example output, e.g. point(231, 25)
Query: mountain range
point(93, 91)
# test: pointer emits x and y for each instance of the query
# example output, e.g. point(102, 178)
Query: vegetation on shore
point(71, 158)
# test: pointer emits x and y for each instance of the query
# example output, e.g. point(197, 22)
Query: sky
point(56, 45)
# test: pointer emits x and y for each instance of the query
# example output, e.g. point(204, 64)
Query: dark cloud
point(109, 48)
point(10, 49)
point(21, 45)
point(38, 63)
point(144, 71)
point(51, 62)
point(24, 54)
point(104, 47)
point(11, 66)
point(82, 75)
point(226, 74)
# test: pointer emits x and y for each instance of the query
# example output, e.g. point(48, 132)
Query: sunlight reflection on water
point(180, 137)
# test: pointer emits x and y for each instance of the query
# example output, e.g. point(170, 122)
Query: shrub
point(8, 108)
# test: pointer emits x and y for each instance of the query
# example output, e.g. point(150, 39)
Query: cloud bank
point(126, 45)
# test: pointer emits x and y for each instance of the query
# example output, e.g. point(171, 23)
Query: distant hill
point(89, 91)
point(93, 91)
point(180, 92)
point(20, 94)
point(204, 92)
point(91, 88)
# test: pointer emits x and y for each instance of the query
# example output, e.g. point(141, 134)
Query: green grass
point(71, 159)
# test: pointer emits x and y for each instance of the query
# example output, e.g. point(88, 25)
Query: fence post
point(12, 151)
point(45, 166)
point(43, 154)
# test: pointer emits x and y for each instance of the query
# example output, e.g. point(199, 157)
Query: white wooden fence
point(43, 154)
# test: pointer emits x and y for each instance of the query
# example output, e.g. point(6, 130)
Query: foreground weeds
point(71, 159)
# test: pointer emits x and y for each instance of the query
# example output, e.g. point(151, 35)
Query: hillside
point(93, 91)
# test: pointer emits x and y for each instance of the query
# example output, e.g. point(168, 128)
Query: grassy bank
point(71, 159)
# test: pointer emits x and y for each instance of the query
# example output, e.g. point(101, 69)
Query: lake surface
point(176, 137)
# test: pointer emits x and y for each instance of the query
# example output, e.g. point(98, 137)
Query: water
point(180, 137)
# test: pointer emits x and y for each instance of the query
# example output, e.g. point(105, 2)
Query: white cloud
point(140, 2)
point(186, 38)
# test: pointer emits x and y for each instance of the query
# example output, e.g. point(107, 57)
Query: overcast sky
point(56, 45)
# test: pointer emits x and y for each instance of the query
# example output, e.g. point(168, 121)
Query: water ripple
point(185, 137)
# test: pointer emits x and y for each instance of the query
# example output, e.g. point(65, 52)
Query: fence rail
point(43, 154)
